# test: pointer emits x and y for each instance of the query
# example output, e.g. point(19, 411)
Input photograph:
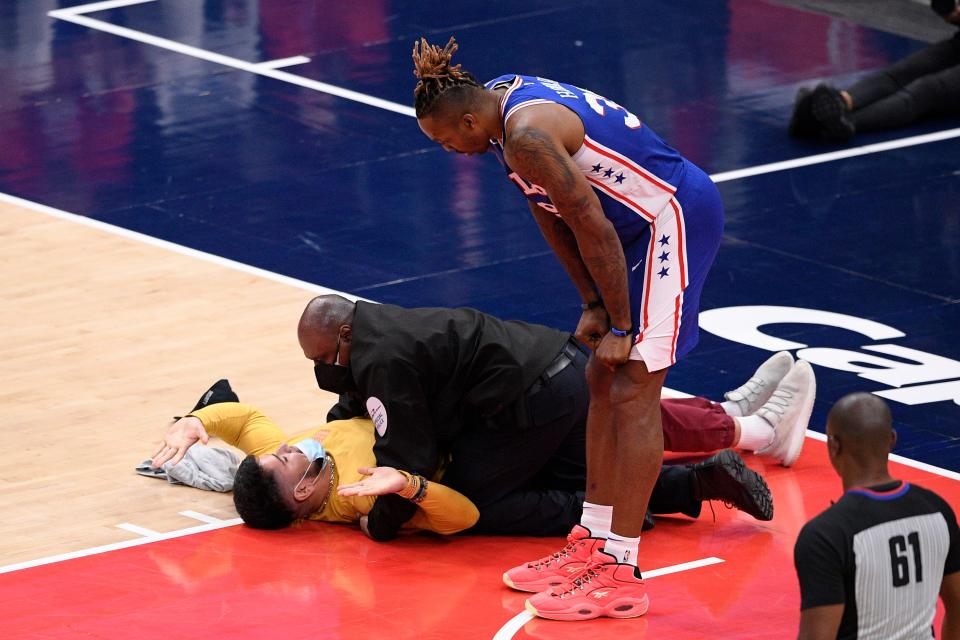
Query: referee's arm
point(820, 573)
point(950, 594)
point(950, 585)
point(820, 623)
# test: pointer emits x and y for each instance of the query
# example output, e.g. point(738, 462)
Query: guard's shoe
point(755, 392)
point(554, 569)
point(602, 588)
point(725, 477)
point(802, 122)
point(831, 113)
point(788, 412)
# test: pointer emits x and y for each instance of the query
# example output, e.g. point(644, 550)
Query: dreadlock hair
point(257, 497)
point(438, 77)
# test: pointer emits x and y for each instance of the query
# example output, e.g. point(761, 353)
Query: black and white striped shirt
point(882, 552)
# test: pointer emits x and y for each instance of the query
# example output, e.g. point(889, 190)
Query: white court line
point(683, 566)
point(516, 622)
point(282, 62)
point(126, 544)
point(836, 155)
point(140, 531)
point(99, 6)
point(70, 15)
point(202, 517)
point(269, 70)
point(170, 246)
point(907, 462)
point(513, 625)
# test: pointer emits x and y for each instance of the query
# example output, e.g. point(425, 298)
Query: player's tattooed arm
point(540, 158)
point(561, 239)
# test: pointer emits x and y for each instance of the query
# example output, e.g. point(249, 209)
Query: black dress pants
point(531, 481)
point(926, 83)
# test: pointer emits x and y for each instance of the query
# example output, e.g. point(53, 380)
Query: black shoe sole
point(739, 485)
point(830, 111)
point(802, 122)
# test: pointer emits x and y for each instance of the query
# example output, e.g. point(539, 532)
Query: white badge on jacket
point(378, 414)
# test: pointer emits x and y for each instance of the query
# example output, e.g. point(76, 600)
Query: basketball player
point(637, 227)
point(871, 565)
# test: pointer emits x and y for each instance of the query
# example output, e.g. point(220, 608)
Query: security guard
point(462, 386)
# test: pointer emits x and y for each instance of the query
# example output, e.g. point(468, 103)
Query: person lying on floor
point(328, 474)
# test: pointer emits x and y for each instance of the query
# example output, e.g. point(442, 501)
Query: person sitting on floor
point(924, 84)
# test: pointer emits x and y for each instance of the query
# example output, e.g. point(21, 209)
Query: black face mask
point(334, 378)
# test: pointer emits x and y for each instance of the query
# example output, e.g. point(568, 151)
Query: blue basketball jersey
point(666, 211)
point(634, 173)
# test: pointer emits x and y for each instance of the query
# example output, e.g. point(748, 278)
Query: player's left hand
point(594, 324)
point(182, 434)
point(614, 350)
point(379, 481)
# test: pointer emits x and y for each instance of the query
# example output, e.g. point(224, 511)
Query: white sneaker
point(755, 392)
point(788, 412)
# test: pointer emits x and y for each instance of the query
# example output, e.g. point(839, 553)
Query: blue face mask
point(312, 449)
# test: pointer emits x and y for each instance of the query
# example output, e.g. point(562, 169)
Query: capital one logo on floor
point(924, 377)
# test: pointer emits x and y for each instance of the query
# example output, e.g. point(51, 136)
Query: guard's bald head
point(321, 320)
point(325, 311)
point(863, 425)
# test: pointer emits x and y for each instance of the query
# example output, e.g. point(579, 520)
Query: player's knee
point(598, 376)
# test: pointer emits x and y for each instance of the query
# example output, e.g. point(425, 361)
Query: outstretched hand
point(182, 434)
point(379, 481)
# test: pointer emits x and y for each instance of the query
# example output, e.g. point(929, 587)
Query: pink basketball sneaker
point(557, 567)
point(602, 588)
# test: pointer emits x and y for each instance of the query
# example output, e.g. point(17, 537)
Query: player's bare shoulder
point(544, 121)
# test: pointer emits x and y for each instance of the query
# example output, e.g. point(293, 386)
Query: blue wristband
point(620, 333)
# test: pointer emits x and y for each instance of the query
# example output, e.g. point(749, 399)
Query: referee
point(872, 564)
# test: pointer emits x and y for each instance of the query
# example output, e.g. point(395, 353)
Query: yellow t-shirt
point(350, 444)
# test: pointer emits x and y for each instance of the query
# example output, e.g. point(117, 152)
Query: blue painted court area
point(352, 196)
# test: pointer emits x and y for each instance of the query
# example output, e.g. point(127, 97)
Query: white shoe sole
point(798, 428)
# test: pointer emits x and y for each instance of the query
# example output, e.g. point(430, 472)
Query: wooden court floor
point(102, 339)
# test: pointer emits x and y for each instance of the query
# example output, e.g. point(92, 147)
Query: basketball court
point(179, 177)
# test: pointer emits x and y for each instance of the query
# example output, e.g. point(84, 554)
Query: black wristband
point(620, 333)
point(593, 304)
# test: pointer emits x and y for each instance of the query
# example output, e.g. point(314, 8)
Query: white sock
point(622, 548)
point(597, 518)
point(731, 408)
point(755, 433)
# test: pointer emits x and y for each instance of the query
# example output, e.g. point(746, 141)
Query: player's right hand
point(593, 325)
point(182, 434)
point(614, 350)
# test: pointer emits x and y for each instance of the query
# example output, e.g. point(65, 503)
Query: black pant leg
point(531, 512)
point(552, 512)
point(937, 94)
point(933, 59)
point(487, 465)
point(673, 492)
